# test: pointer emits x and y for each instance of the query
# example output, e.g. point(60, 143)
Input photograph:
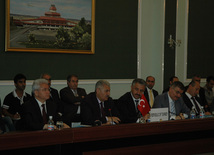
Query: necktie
point(75, 93)
point(44, 115)
point(196, 105)
point(173, 108)
point(102, 110)
point(136, 104)
point(151, 98)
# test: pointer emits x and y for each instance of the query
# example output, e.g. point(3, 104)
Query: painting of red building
point(51, 20)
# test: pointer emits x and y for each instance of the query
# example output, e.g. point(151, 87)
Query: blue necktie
point(173, 108)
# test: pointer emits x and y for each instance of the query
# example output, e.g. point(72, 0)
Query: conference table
point(166, 137)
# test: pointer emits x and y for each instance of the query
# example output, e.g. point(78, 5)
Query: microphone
point(110, 116)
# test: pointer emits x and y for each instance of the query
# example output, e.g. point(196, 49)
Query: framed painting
point(54, 26)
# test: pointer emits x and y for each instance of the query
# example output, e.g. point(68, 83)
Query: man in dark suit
point(201, 93)
point(191, 98)
point(173, 100)
point(172, 79)
point(150, 93)
point(99, 107)
point(127, 104)
point(37, 110)
point(54, 95)
point(72, 97)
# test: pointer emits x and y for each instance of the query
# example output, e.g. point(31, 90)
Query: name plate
point(159, 114)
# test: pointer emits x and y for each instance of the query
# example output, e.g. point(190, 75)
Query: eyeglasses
point(48, 79)
point(44, 89)
point(178, 92)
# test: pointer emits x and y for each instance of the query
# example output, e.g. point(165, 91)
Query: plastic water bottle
point(192, 113)
point(202, 113)
point(50, 123)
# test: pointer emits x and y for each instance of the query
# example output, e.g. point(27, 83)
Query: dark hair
point(196, 75)
point(209, 78)
point(149, 76)
point(192, 83)
point(178, 84)
point(70, 76)
point(172, 77)
point(19, 77)
point(138, 80)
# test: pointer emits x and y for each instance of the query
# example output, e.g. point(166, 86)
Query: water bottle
point(192, 113)
point(50, 123)
point(202, 113)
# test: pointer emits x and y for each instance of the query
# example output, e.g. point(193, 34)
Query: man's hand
point(113, 119)
point(147, 116)
point(77, 103)
point(181, 116)
point(207, 113)
point(16, 116)
point(65, 126)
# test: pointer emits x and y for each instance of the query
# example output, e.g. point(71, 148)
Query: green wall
point(115, 48)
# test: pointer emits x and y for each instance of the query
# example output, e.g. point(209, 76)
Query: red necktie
point(44, 115)
point(102, 110)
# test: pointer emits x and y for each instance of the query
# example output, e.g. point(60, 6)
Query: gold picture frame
point(32, 28)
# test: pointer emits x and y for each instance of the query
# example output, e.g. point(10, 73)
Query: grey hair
point(140, 81)
point(37, 83)
point(43, 74)
point(101, 83)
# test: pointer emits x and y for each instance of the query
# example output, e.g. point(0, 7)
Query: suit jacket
point(162, 101)
point(67, 96)
point(201, 95)
point(155, 93)
point(127, 108)
point(188, 102)
point(90, 109)
point(54, 97)
point(32, 116)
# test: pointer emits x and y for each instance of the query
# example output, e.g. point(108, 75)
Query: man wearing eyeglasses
point(54, 95)
point(37, 110)
point(173, 100)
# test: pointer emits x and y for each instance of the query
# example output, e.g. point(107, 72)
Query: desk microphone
point(110, 115)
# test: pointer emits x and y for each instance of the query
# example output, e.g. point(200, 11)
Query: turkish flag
point(143, 106)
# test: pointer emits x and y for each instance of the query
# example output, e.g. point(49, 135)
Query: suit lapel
point(146, 95)
point(96, 106)
point(166, 101)
point(132, 104)
point(177, 107)
point(37, 110)
point(198, 100)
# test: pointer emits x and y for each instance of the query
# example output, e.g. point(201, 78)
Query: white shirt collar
point(188, 95)
point(40, 103)
point(15, 94)
point(170, 99)
point(134, 99)
point(148, 89)
point(100, 102)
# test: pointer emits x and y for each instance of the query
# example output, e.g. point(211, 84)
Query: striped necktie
point(102, 110)
point(151, 98)
point(136, 104)
point(173, 112)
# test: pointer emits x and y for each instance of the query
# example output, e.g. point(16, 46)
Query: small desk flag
point(143, 106)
